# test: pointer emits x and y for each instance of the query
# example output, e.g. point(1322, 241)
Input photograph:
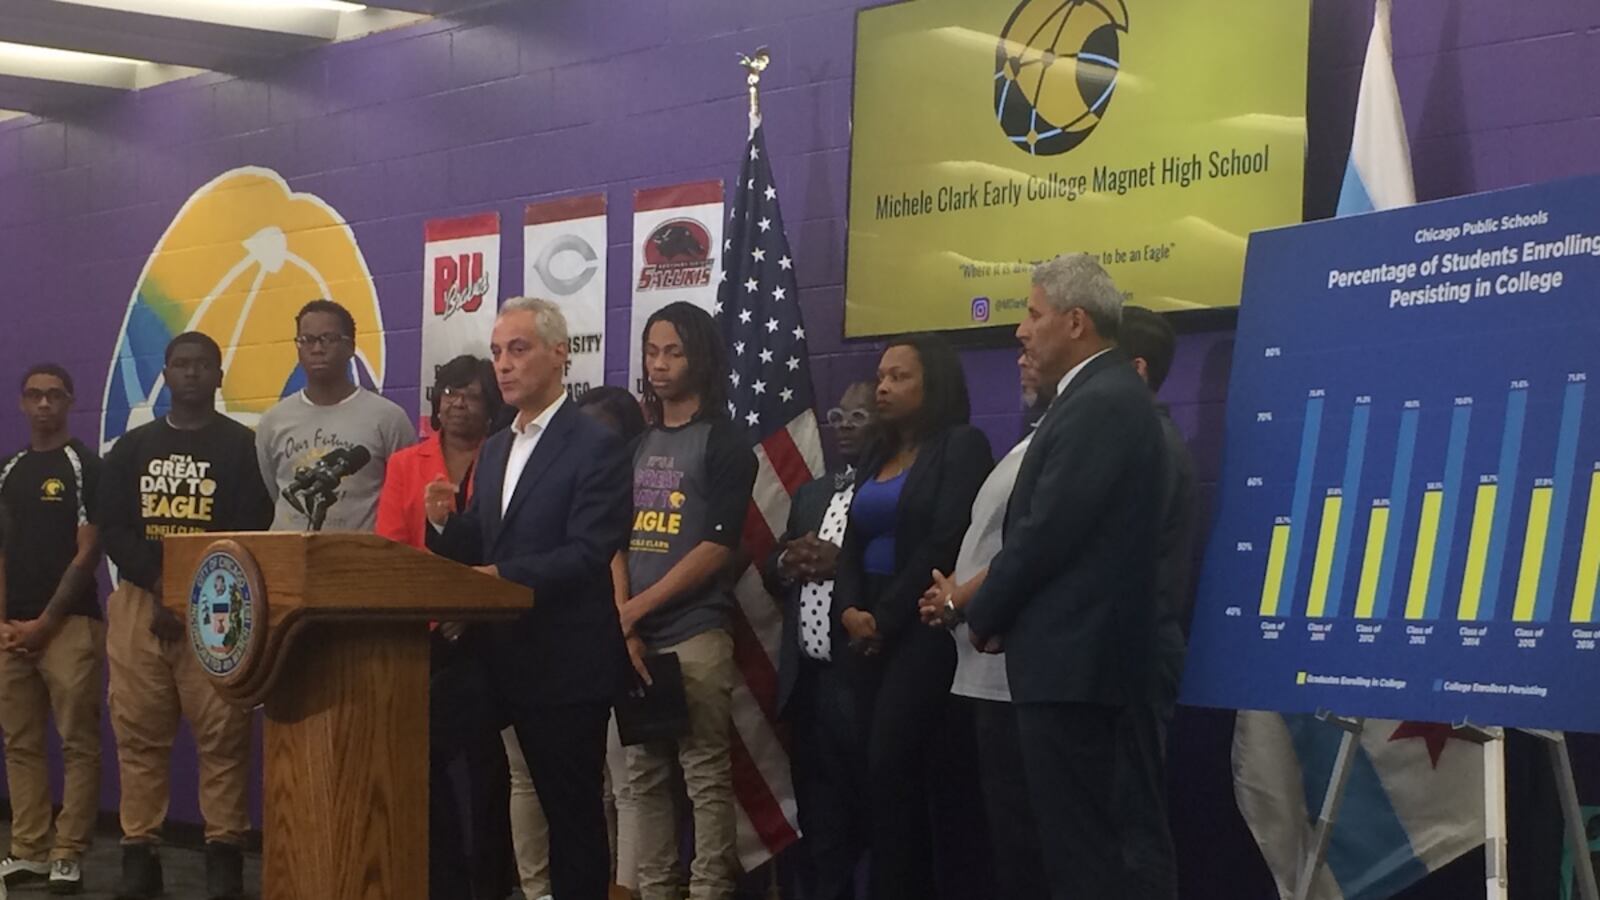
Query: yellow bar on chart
point(1372, 562)
point(1589, 558)
point(1477, 553)
point(1422, 563)
point(1277, 554)
point(1532, 555)
point(1321, 570)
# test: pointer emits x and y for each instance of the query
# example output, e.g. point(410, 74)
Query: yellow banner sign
point(992, 134)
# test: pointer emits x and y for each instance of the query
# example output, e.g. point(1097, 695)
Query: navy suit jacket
point(1073, 591)
point(569, 515)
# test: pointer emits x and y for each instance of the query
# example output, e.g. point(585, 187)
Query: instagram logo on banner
point(980, 309)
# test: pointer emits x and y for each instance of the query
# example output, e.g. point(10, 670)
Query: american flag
point(771, 398)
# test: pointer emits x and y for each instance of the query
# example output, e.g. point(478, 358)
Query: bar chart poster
point(1409, 521)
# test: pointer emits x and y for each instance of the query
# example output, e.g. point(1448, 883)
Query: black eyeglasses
point(465, 395)
point(320, 340)
point(54, 395)
point(855, 418)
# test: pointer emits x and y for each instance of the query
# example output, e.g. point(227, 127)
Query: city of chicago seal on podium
point(227, 612)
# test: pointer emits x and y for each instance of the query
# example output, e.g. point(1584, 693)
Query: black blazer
point(569, 516)
point(932, 518)
point(806, 509)
point(1073, 589)
point(1177, 560)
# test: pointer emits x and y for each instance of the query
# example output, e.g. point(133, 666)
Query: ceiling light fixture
point(329, 5)
point(52, 54)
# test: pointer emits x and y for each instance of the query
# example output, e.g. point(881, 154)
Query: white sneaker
point(66, 877)
point(15, 871)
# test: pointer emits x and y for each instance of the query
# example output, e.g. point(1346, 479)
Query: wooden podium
point(329, 631)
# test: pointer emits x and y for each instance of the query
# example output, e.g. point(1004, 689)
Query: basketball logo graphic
point(1055, 70)
point(241, 257)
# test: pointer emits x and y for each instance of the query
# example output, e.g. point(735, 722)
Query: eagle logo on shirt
point(54, 490)
point(676, 498)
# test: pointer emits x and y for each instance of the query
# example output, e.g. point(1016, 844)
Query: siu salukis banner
point(460, 287)
point(677, 245)
point(564, 260)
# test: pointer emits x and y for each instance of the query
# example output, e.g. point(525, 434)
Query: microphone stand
point(313, 502)
point(317, 502)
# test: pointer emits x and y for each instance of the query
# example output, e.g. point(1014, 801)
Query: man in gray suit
point(1071, 598)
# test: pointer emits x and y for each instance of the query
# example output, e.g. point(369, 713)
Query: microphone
point(325, 474)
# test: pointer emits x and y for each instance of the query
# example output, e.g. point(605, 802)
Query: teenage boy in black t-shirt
point(692, 477)
point(191, 471)
point(51, 640)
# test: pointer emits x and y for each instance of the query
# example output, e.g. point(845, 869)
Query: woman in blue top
point(913, 503)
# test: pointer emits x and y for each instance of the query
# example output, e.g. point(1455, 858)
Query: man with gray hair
point(1070, 598)
point(550, 507)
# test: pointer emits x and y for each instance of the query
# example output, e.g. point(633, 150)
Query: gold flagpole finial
point(754, 66)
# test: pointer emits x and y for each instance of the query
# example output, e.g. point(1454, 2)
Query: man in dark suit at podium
point(550, 508)
point(1071, 598)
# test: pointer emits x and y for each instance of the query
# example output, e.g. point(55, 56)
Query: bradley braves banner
point(677, 238)
point(460, 287)
point(564, 260)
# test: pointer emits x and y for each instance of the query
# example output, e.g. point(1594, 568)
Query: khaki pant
point(708, 676)
point(530, 833)
point(151, 686)
point(64, 681)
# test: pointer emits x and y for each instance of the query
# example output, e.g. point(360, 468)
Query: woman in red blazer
point(465, 401)
point(462, 720)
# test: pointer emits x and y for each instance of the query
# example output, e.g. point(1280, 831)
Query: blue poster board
point(1410, 506)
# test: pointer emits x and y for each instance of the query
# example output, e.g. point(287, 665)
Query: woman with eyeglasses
point(913, 502)
point(465, 401)
point(815, 694)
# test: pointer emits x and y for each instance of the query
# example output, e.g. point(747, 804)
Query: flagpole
point(771, 402)
point(753, 67)
point(1496, 865)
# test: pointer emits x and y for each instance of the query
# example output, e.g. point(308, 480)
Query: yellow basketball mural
point(241, 257)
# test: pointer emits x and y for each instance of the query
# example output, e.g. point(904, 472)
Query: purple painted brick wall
point(538, 99)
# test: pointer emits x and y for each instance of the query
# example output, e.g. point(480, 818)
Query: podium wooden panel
point(343, 674)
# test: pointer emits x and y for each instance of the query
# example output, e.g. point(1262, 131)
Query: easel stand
point(1494, 805)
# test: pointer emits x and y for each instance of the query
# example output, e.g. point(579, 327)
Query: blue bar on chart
point(1499, 535)
point(1325, 601)
point(1399, 494)
point(1455, 463)
point(1562, 488)
point(1293, 532)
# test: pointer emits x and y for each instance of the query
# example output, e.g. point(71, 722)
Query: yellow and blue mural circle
point(240, 258)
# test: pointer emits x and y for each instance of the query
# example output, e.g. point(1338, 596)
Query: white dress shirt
point(983, 675)
point(1061, 386)
point(524, 438)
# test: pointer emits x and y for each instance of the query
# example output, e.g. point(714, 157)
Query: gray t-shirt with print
point(691, 485)
point(297, 432)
